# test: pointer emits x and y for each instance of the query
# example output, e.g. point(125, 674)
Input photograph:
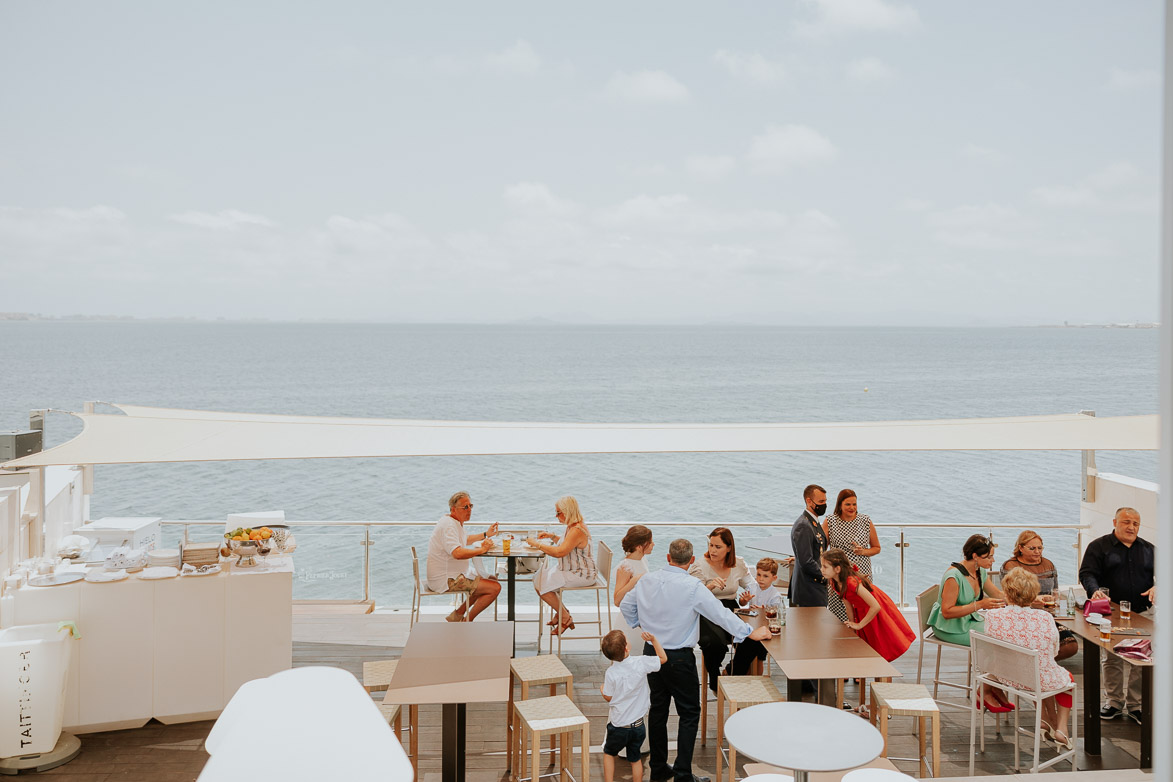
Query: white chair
point(602, 589)
point(998, 663)
point(924, 606)
point(420, 591)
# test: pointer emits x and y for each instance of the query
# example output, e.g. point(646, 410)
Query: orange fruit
point(266, 534)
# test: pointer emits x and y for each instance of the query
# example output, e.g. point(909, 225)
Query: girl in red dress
point(880, 622)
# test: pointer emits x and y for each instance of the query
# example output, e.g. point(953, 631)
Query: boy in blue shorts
point(625, 687)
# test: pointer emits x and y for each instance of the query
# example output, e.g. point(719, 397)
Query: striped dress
point(846, 535)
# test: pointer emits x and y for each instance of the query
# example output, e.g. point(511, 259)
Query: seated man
point(1121, 563)
point(449, 568)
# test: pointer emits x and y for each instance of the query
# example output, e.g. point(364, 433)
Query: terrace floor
point(174, 753)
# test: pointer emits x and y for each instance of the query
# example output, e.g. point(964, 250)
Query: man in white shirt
point(449, 560)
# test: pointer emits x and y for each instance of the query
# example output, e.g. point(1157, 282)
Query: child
point(880, 622)
point(625, 687)
point(762, 593)
point(637, 544)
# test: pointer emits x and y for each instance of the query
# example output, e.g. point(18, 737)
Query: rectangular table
point(774, 544)
point(1092, 646)
point(814, 644)
point(453, 664)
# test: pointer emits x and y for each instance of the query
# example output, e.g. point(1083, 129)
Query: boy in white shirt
point(625, 687)
point(762, 593)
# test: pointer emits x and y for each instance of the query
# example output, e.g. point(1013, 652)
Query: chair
point(740, 692)
point(543, 669)
point(555, 716)
point(602, 590)
point(998, 663)
point(924, 606)
point(910, 700)
point(420, 590)
point(376, 677)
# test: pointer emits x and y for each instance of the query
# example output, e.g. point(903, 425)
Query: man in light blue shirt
point(669, 604)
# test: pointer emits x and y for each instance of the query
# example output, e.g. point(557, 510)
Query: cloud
point(783, 148)
point(827, 18)
point(984, 154)
point(225, 220)
point(1128, 80)
point(535, 198)
point(750, 67)
point(983, 227)
point(710, 166)
point(869, 70)
point(1117, 187)
point(646, 87)
point(520, 59)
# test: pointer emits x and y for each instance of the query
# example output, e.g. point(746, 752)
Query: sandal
point(567, 625)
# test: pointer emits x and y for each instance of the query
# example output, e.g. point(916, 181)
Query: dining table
point(815, 644)
point(453, 664)
point(1136, 626)
point(817, 738)
point(517, 550)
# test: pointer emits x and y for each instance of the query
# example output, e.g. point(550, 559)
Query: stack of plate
point(163, 557)
point(197, 554)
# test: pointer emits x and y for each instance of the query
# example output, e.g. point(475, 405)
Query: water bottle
point(782, 612)
point(1070, 601)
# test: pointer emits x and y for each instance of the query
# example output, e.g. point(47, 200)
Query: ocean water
point(592, 373)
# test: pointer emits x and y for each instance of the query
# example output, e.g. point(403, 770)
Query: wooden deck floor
point(170, 753)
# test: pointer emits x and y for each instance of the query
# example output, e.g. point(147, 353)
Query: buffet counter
point(174, 649)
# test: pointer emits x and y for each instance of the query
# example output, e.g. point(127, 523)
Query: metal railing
point(899, 537)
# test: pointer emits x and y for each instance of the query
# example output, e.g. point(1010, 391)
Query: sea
point(593, 373)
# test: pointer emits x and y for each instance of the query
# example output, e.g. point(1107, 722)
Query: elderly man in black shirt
point(1121, 563)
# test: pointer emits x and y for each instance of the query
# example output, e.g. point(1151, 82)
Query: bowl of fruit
point(246, 543)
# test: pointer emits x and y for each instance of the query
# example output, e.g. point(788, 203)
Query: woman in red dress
point(880, 622)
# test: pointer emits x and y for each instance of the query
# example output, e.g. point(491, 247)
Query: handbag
point(1135, 649)
point(1102, 606)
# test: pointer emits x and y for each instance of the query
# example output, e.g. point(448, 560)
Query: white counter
point(175, 649)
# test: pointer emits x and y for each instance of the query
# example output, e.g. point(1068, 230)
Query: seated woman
point(1034, 628)
point(569, 563)
point(723, 572)
point(1028, 555)
point(956, 611)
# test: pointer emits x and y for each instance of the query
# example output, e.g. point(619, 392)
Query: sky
point(813, 162)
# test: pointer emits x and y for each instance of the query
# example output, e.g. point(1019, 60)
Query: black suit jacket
point(807, 586)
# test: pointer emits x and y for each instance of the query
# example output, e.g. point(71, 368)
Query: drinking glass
point(775, 625)
point(1106, 629)
point(1105, 591)
point(1126, 612)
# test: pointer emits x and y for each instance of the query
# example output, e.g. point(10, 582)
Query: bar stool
point(909, 700)
point(376, 677)
point(534, 672)
point(554, 716)
point(740, 692)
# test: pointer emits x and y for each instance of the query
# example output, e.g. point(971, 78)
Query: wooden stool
point(376, 677)
point(909, 700)
point(740, 692)
point(556, 716)
point(536, 671)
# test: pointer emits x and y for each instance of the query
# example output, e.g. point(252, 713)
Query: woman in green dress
point(966, 589)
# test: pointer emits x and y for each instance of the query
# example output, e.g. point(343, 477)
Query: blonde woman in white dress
point(854, 534)
point(569, 563)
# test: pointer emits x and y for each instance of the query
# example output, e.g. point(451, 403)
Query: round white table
point(803, 737)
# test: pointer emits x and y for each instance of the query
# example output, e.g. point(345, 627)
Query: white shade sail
point(149, 434)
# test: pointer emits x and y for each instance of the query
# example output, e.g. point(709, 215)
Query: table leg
point(511, 579)
point(794, 690)
point(1146, 714)
point(509, 736)
point(453, 742)
point(1091, 697)
point(720, 730)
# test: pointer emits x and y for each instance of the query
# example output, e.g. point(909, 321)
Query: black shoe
point(1134, 715)
point(662, 775)
point(1110, 713)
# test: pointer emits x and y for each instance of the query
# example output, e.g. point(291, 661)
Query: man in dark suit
point(807, 585)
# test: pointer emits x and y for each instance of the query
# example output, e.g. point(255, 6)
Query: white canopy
point(150, 434)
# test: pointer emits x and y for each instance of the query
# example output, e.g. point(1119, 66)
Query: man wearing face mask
point(807, 585)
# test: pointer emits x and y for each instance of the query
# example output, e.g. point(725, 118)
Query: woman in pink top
point(1034, 628)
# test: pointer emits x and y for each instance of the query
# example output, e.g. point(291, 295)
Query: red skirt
point(888, 632)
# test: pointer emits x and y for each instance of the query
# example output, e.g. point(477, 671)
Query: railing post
point(366, 563)
point(902, 545)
